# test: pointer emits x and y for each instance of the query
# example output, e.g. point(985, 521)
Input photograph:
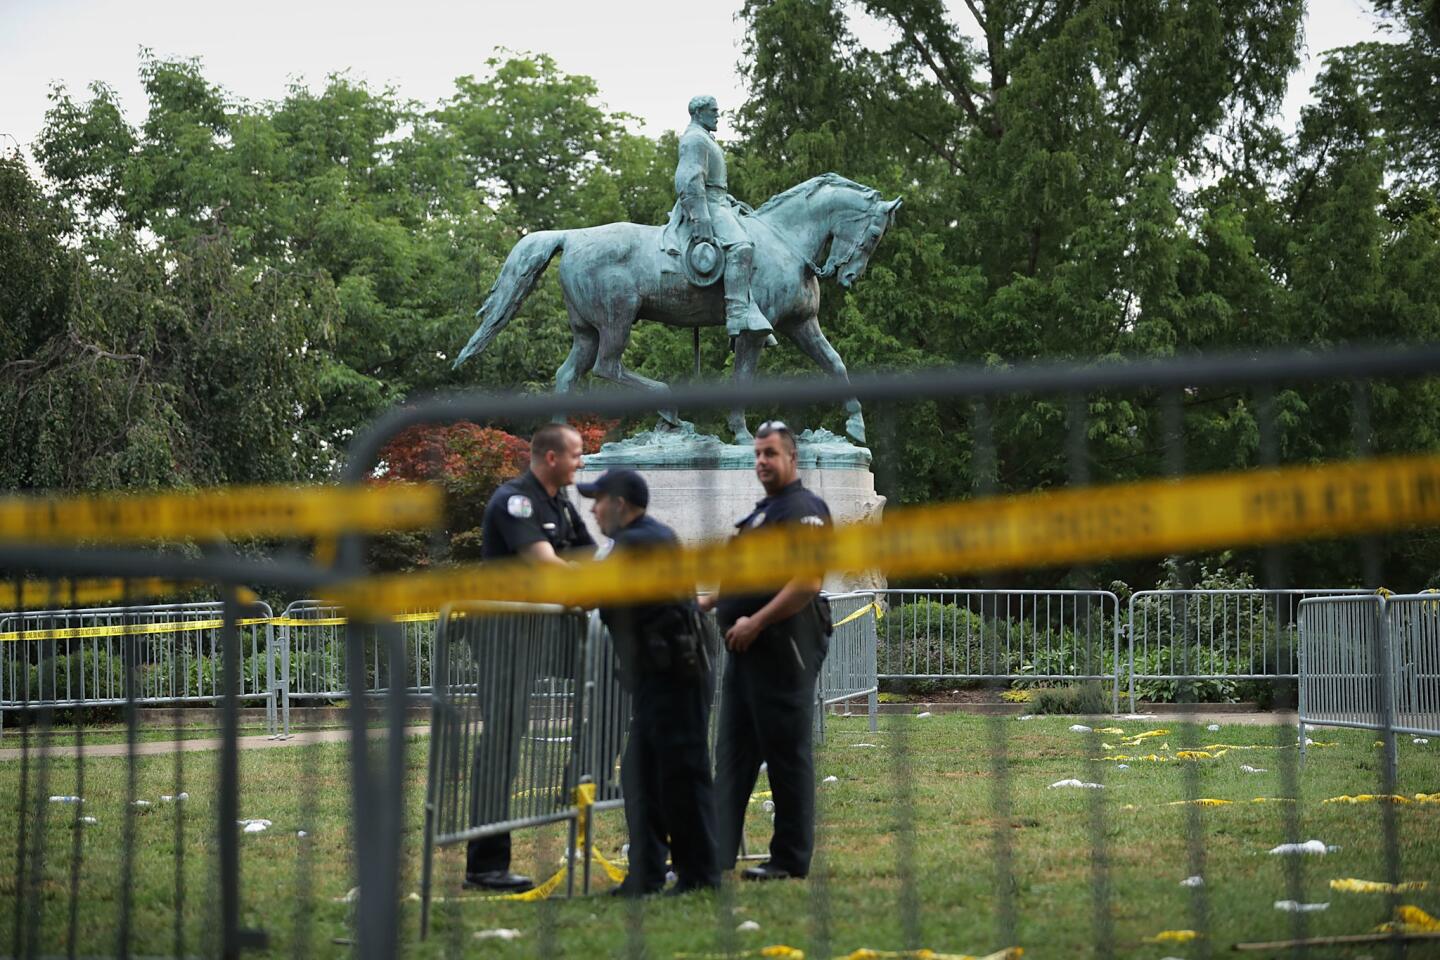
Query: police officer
point(527, 517)
point(669, 800)
point(776, 643)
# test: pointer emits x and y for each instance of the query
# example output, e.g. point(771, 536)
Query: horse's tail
point(517, 279)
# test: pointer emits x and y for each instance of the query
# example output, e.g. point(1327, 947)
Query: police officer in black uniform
point(669, 797)
point(528, 517)
point(776, 643)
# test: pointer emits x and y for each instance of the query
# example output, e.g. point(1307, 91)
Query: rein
point(833, 264)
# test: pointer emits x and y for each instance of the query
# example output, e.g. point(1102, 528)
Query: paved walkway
point(150, 748)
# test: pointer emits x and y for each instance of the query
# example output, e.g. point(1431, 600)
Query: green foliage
point(226, 291)
point(1077, 698)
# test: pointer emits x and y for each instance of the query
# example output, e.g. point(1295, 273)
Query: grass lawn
point(294, 887)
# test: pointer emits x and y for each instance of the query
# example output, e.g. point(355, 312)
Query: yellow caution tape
point(1200, 802)
point(49, 594)
point(584, 798)
point(228, 512)
point(1369, 798)
point(1173, 936)
point(1410, 919)
point(1112, 731)
point(1043, 529)
point(192, 626)
point(128, 629)
point(857, 614)
point(1352, 885)
point(780, 951)
point(1148, 734)
point(426, 617)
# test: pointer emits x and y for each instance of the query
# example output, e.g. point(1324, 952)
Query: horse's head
point(855, 238)
point(849, 216)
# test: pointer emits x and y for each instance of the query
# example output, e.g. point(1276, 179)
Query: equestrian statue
point(716, 261)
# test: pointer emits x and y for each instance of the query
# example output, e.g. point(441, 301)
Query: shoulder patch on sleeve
point(520, 506)
point(813, 521)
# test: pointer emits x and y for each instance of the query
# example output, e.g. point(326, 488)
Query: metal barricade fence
point(507, 708)
point(1214, 636)
point(1371, 662)
point(1000, 635)
point(849, 669)
point(310, 648)
point(66, 658)
point(1414, 624)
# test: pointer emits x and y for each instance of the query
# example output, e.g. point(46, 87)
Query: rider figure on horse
point(707, 213)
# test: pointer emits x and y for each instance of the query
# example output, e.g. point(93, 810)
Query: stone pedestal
point(701, 486)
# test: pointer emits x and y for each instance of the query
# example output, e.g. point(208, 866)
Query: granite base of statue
point(701, 486)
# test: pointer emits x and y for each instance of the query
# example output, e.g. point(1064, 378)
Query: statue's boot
point(741, 311)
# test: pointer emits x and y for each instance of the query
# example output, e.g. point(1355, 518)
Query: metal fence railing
point(1000, 635)
point(1213, 636)
point(114, 882)
point(849, 670)
point(1414, 625)
point(506, 707)
point(71, 658)
point(1371, 662)
point(311, 662)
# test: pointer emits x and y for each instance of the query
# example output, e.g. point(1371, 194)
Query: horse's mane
point(808, 187)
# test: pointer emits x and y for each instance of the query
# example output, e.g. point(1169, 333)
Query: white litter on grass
point(90, 820)
point(1195, 881)
point(254, 826)
point(1317, 847)
point(1079, 728)
point(830, 779)
point(624, 851)
point(140, 803)
point(1212, 727)
point(1294, 906)
point(1246, 768)
point(352, 897)
point(921, 716)
point(301, 834)
point(1122, 766)
point(748, 926)
point(1028, 716)
point(1421, 740)
point(768, 806)
point(166, 798)
point(499, 933)
point(862, 744)
point(1077, 783)
point(67, 800)
point(764, 767)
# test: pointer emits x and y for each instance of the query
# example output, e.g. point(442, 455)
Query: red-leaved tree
point(469, 461)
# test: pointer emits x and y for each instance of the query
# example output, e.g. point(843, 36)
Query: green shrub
point(927, 636)
point(1082, 698)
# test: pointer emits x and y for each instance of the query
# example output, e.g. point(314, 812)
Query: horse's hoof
point(855, 427)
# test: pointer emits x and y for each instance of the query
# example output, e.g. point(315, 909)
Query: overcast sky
point(645, 57)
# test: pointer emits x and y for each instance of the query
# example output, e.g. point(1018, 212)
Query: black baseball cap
point(626, 484)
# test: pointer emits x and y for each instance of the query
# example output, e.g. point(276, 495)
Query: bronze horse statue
point(618, 273)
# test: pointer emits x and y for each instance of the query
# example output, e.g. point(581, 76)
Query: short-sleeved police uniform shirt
point(793, 504)
point(626, 623)
point(521, 512)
